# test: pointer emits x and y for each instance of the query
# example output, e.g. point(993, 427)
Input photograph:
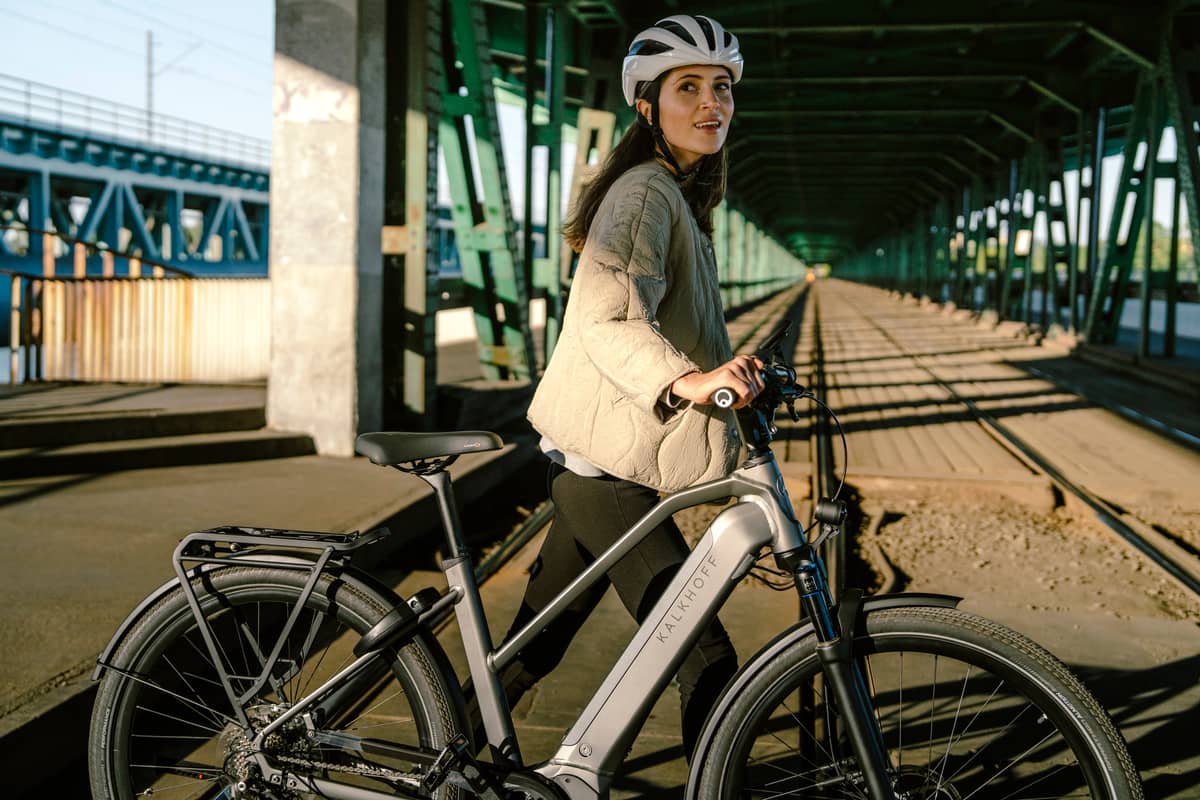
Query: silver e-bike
point(272, 667)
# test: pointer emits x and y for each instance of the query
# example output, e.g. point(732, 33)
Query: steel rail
point(824, 475)
point(1157, 547)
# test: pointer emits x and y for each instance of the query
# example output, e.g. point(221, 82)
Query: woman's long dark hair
point(703, 188)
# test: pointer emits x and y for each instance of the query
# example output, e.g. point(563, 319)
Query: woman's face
point(695, 106)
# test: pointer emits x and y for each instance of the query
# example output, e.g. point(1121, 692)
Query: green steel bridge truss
point(919, 146)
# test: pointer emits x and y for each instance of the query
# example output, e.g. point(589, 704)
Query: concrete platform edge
point(62, 712)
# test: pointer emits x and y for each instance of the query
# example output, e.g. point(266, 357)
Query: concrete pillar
point(326, 220)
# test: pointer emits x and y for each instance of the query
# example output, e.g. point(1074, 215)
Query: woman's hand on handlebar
point(740, 374)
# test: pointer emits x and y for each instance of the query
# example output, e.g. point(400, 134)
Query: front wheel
point(164, 725)
point(967, 707)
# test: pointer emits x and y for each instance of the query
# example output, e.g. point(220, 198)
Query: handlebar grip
point(724, 398)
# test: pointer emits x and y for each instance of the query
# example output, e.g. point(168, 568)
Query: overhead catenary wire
point(142, 15)
point(112, 47)
point(205, 20)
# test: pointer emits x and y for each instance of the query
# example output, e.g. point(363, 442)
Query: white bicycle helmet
point(677, 41)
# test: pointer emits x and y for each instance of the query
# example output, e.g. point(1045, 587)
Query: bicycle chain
point(411, 779)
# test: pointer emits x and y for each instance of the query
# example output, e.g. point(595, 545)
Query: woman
point(624, 406)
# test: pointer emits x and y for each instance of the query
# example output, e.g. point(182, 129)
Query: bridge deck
point(82, 549)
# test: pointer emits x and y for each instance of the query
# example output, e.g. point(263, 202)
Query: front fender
point(772, 649)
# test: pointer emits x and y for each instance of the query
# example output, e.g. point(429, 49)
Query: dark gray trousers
point(590, 515)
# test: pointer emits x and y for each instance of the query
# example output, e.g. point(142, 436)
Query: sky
point(212, 61)
point(212, 66)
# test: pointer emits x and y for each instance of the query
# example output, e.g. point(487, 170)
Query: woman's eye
point(723, 87)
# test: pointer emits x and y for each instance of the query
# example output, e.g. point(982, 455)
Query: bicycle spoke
point(188, 778)
point(216, 715)
point(950, 741)
point(956, 727)
point(177, 719)
point(217, 719)
point(316, 668)
point(811, 736)
point(1013, 795)
point(1031, 748)
point(172, 732)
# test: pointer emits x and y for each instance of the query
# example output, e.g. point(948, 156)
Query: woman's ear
point(643, 110)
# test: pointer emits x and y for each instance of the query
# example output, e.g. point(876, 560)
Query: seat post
point(443, 488)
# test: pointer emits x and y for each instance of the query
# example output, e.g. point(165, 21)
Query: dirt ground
point(985, 546)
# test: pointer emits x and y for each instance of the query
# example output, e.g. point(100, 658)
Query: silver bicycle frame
point(596, 744)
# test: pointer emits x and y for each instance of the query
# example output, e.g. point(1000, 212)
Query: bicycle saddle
point(389, 448)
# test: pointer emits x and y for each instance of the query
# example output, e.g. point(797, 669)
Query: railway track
point(1182, 566)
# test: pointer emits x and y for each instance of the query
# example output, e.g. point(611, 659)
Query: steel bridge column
point(483, 224)
point(957, 254)
point(1033, 187)
point(1093, 259)
point(752, 274)
point(1172, 278)
point(1063, 248)
point(962, 232)
point(410, 242)
point(1010, 229)
point(174, 224)
point(721, 250)
point(543, 273)
point(1073, 315)
point(327, 205)
point(1181, 108)
point(923, 241)
point(973, 245)
point(939, 242)
point(1103, 322)
point(737, 259)
point(39, 209)
point(1187, 143)
point(991, 250)
point(1147, 293)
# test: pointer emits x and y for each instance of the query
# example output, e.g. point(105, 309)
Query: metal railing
point(56, 245)
point(64, 111)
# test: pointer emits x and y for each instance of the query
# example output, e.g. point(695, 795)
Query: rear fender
point(850, 614)
point(368, 583)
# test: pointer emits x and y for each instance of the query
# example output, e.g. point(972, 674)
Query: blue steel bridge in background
point(114, 179)
point(159, 188)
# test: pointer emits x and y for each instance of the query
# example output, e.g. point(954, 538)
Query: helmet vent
point(708, 32)
point(677, 29)
point(728, 39)
point(648, 47)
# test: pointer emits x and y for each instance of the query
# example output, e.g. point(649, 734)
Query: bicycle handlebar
point(724, 398)
point(779, 386)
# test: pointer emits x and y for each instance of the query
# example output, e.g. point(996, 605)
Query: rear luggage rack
point(224, 539)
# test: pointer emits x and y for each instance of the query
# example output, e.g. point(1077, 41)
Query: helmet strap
point(662, 147)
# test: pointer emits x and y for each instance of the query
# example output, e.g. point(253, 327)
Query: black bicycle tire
point(956, 634)
point(415, 666)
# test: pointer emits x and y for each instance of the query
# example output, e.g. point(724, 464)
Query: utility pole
point(150, 85)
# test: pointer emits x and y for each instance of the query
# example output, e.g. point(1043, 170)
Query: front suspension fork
point(843, 673)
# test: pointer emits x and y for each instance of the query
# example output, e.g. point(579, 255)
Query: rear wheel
point(968, 709)
point(163, 725)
